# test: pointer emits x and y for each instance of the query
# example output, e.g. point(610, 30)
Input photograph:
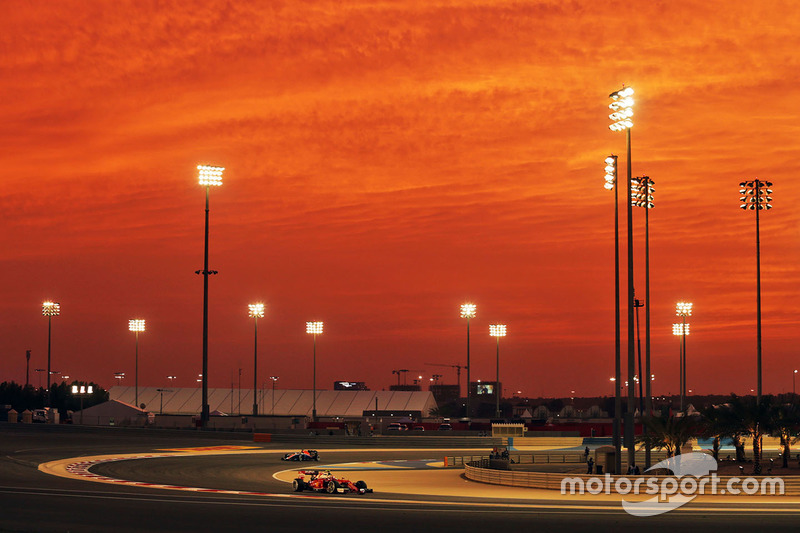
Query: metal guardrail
point(479, 471)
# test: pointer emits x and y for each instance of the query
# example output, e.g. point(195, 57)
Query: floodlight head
point(611, 172)
point(256, 310)
point(136, 324)
point(209, 175)
point(683, 309)
point(51, 309)
point(468, 310)
point(314, 328)
point(497, 330)
point(622, 107)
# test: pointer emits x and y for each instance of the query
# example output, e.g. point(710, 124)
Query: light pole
point(208, 176)
point(171, 378)
point(274, 379)
point(755, 195)
point(256, 312)
point(136, 325)
point(468, 311)
point(611, 184)
point(119, 376)
point(81, 391)
point(162, 391)
point(49, 309)
point(314, 328)
point(622, 111)
point(642, 194)
point(497, 331)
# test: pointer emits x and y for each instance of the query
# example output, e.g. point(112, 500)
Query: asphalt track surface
point(411, 492)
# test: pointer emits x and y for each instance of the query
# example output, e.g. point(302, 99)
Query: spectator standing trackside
point(589, 464)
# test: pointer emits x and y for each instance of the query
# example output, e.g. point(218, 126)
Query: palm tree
point(747, 417)
point(668, 432)
point(786, 423)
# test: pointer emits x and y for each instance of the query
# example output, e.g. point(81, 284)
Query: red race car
point(324, 481)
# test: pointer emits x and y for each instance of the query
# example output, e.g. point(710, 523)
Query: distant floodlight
point(468, 310)
point(209, 175)
point(497, 330)
point(136, 325)
point(314, 328)
point(51, 309)
point(683, 309)
point(256, 310)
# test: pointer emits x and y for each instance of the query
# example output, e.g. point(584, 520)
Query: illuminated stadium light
point(468, 310)
point(611, 172)
point(256, 310)
point(314, 328)
point(497, 330)
point(136, 325)
point(210, 176)
point(51, 309)
point(622, 109)
point(680, 329)
point(683, 309)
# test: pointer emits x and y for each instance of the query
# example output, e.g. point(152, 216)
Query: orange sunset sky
point(386, 162)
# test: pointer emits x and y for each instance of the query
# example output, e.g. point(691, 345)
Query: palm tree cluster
point(739, 420)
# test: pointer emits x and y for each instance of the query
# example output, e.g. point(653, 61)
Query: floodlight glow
point(314, 328)
point(497, 330)
point(136, 324)
point(611, 172)
point(680, 329)
point(256, 310)
point(622, 108)
point(683, 309)
point(468, 310)
point(74, 389)
point(209, 175)
point(51, 309)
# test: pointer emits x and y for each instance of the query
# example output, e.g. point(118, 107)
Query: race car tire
point(298, 485)
point(332, 487)
point(361, 485)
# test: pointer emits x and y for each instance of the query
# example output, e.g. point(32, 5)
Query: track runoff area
point(394, 480)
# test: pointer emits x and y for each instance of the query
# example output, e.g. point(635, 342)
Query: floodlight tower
point(468, 311)
point(136, 325)
point(49, 309)
point(611, 183)
point(314, 328)
point(683, 310)
point(755, 195)
point(622, 111)
point(497, 331)
point(256, 312)
point(208, 176)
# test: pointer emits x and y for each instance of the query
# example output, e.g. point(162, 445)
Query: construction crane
point(458, 372)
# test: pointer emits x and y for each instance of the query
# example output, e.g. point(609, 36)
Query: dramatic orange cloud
point(386, 162)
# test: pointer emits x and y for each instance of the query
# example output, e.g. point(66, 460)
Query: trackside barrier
point(479, 471)
point(262, 437)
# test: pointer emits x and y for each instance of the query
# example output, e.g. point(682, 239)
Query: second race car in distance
point(302, 455)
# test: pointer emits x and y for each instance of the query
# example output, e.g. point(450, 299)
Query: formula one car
point(302, 455)
point(324, 481)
